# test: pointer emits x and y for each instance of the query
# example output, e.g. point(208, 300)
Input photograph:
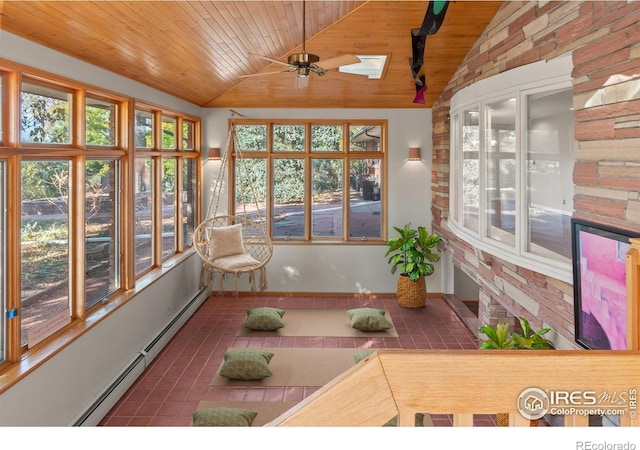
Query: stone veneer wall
point(604, 38)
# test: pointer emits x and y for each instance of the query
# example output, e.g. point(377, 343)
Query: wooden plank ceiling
point(196, 50)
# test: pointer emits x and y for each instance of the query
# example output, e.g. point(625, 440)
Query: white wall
point(345, 268)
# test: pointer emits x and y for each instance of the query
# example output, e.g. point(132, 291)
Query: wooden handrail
point(467, 382)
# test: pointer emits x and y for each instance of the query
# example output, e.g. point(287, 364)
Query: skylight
point(370, 65)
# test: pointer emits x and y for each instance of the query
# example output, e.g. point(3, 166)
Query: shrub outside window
point(46, 114)
point(101, 122)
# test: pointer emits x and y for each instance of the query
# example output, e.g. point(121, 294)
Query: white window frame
point(519, 83)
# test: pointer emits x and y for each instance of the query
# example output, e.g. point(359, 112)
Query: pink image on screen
point(603, 291)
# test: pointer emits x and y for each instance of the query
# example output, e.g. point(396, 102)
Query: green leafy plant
point(412, 252)
point(530, 340)
point(499, 337)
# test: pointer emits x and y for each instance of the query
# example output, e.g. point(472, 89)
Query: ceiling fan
point(304, 63)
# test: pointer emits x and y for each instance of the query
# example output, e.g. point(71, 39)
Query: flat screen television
point(599, 284)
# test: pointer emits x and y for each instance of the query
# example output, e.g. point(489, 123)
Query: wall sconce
point(414, 154)
point(214, 154)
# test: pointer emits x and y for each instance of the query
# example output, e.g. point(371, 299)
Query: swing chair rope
point(257, 244)
point(216, 191)
point(244, 172)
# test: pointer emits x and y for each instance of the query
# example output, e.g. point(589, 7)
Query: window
point(45, 244)
point(189, 196)
point(169, 133)
point(169, 218)
point(102, 229)
point(69, 243)
point(101, 123)
point(295, 173)
point(144, 214)
point(188, 135)
point(165, 185)
point(46, 114)
point(3, 289)
point(512, 166)
point(144, 129)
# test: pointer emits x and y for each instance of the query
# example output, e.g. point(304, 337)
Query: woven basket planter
point(503, 420)
point(411, 294)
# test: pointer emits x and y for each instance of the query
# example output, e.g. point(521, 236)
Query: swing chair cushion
point(234, 263)
point(225, 241)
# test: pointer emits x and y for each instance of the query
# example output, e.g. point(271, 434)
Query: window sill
point(553, 268)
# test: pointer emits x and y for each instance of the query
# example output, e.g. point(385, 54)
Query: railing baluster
point(463, 420)
point(576, 420)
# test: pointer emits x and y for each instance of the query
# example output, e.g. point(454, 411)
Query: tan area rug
point(298, 367)
point(267, 411)
point(319, 322)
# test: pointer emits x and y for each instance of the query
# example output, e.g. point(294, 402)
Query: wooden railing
point(468, 382)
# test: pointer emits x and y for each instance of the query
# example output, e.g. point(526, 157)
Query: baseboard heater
point(103, 404)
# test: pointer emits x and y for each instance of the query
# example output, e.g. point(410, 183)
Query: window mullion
point(79, 119)
point(308, 197)
point(11, 110)
point(77, 255)
point(346, 177)
point(482, 207)
point(522, 184)
point(157, 212)
point(179, 190)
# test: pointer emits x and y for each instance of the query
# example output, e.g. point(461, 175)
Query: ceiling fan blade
point(272, 60)
point(264, 73)
point(338, 61)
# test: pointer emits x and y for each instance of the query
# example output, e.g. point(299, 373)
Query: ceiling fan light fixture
point(304, 63)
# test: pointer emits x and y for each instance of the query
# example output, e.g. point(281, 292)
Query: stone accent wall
point(604, 39)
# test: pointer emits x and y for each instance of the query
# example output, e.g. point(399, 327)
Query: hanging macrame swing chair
point(233, 245)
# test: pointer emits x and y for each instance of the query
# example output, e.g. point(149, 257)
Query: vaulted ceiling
point(197, 50)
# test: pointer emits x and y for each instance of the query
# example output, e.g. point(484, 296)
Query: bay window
point(512, 164)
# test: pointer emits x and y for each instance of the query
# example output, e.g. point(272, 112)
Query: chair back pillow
point(225, 241)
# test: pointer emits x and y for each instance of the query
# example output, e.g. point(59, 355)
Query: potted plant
point(412, 253)
point(499, 337)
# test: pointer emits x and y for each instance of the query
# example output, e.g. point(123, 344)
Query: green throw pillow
point(394, 422)
point(264, 318)
point(246, 364)
point(368, 319)
point(362, 354)
point(223, 417)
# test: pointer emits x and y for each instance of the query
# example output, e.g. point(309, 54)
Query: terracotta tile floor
point(169, 391)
